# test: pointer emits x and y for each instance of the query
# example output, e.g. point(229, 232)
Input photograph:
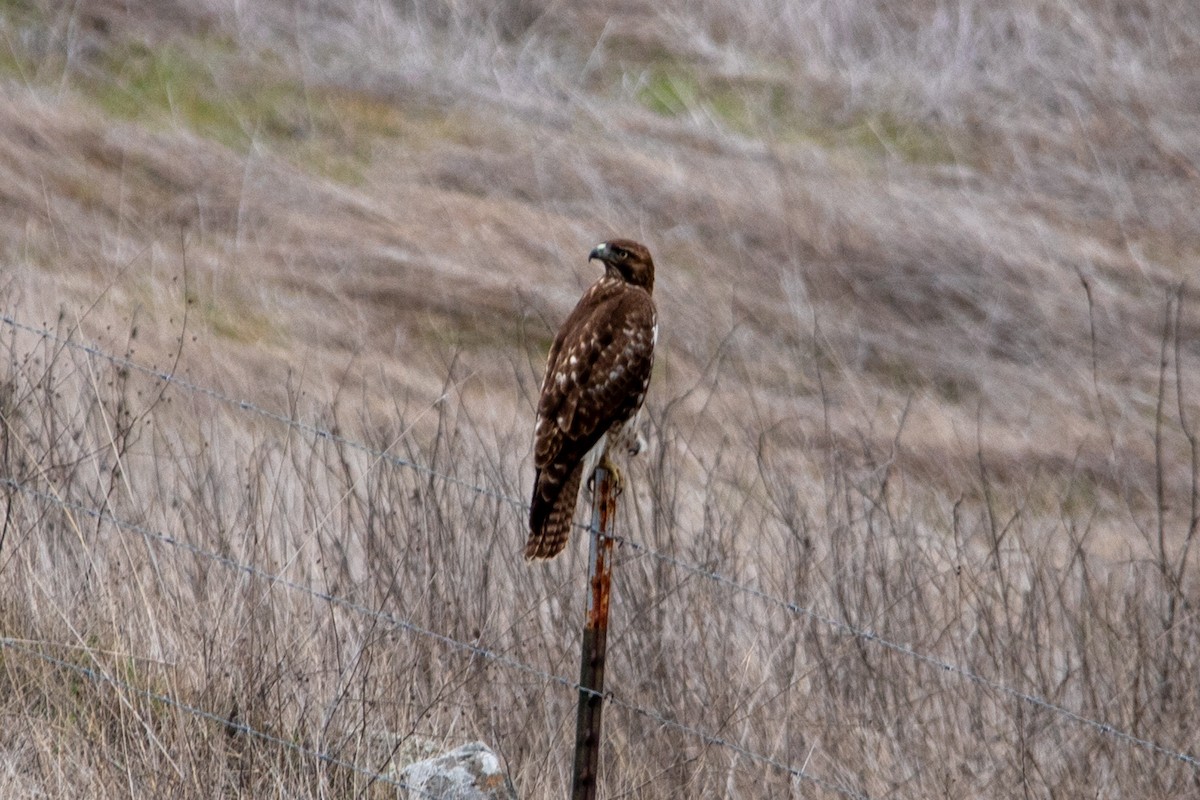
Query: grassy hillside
point(918, 515)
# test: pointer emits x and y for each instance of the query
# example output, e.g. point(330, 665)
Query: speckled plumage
point(596, 379)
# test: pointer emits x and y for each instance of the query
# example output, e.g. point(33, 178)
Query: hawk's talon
point(616, 479)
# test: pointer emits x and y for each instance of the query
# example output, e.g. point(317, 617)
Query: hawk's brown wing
point(596, 377)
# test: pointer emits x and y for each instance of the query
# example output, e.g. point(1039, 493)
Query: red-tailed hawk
point(596, 379)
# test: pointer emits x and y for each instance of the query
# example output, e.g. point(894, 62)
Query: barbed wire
point(710, 575)
point(403, 624)
point(247, 406)
point(232, 726)
point(930, 661)
point(279, 580)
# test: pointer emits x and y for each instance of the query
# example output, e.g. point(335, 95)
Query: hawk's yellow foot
point(617, 478)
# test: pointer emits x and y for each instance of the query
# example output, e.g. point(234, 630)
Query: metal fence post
point(595, 636)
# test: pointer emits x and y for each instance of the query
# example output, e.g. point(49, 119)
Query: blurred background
point(917, 519)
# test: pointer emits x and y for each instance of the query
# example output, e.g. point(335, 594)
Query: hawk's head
point(628, 259)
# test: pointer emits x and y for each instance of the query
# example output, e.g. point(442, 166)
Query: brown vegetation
point(928, 373)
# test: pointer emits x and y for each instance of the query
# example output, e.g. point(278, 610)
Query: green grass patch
point(333, 131)
point(887, 134)
point(17, 7)
point(206, 87)
point(746, 106)
point(670, 94)
point(23, 31)
point(13, 64)
point(199, 88)
point(767, 105)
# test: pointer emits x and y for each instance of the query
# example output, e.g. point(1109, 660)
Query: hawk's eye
point(619, 254)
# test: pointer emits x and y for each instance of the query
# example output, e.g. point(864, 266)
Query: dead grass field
point(927, 394)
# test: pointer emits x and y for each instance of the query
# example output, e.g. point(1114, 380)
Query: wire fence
point(728, 582)
point(232, 727)
point(393, 621)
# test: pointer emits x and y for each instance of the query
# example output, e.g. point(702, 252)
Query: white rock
point(472, 772)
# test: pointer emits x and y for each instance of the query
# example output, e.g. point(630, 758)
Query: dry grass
point(928, 370)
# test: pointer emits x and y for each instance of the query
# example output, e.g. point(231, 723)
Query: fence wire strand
point(904, 650)
point(728, 582)
point(233, 727)
point(406, 625)
point(315, 431)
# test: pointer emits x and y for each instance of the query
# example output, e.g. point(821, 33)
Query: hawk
point(596, 379)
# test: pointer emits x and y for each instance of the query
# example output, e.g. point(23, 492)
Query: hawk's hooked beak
point(599, 252)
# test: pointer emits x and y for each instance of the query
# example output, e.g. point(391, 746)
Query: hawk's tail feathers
point(551, 514)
